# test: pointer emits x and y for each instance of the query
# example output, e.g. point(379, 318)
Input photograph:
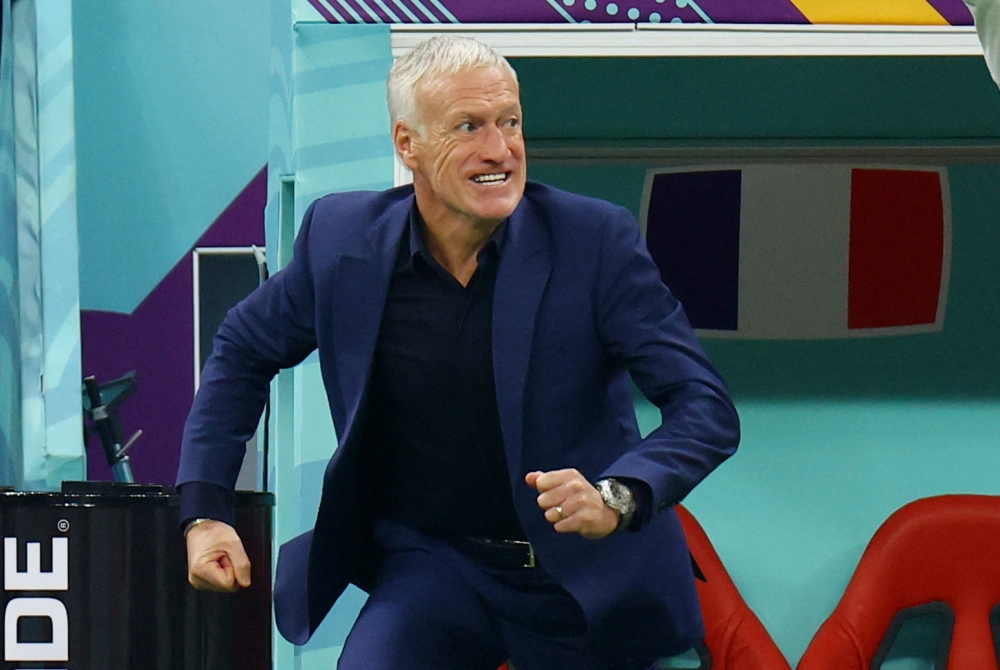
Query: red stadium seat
point(734, 636)
point(940, 553)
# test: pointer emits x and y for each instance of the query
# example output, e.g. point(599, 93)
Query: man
point(476, 334)
point(986, 14)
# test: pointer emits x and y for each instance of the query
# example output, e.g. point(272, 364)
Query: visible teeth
point(489, 178)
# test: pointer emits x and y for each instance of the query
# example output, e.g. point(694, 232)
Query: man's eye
point(467, 127)
point(514, 123)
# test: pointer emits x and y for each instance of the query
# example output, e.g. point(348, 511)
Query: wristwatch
point(618, 497)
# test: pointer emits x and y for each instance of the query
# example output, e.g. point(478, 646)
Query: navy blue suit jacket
point(578, 307)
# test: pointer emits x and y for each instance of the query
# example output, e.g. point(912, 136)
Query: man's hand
point(572, 504)
point(216, 558)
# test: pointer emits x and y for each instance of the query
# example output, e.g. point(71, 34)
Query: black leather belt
point(504, 554)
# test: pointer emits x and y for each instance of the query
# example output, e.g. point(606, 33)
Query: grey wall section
point(987, 16)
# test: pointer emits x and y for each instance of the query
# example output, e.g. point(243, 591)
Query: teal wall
point(329, 133)
point(40, 410)
point(10, 324)
point(172, 123)
point(837, 433)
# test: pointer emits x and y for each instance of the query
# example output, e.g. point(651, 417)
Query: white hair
point(442, 55)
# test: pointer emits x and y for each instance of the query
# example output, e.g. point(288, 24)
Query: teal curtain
point(10, 368)
point(41, 440)
point(60, 455)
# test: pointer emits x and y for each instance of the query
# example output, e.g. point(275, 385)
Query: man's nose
point(494, 147)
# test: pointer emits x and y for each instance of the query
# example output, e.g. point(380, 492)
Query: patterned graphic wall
point(172, 121)
point(901, 12)
point(156, 341)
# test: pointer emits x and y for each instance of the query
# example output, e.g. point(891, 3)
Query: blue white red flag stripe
point(897, 242)
point(696, 242)
point(802, 251)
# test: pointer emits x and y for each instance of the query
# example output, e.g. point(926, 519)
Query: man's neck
point(455, 242)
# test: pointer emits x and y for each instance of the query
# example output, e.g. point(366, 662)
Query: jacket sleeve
point(643, 326)
point(273, 328)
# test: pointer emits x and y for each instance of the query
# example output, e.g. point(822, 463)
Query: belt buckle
point(531, 555)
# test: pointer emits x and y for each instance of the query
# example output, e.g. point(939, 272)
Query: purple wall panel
point(594, 11)
point(156, 340)
point(546, 11)
point(598, 11)
point(753, 11)
point(559, 11)
point(955, 12)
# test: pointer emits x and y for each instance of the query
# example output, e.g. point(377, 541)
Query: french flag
point(802, 251)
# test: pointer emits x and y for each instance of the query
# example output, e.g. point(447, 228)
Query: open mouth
point(489, 179)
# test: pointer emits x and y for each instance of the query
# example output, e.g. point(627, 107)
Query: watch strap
point(618, 496)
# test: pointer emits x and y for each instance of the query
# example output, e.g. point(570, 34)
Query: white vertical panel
point(794, 238)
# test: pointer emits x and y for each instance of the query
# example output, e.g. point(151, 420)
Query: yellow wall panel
point(902, 12)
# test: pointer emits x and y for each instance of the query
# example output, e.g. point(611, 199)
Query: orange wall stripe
point(875, 12)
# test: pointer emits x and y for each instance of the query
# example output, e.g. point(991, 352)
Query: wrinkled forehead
point(494, 84)
point(466, 75)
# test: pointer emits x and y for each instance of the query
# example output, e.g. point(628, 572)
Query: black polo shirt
point(433, 432)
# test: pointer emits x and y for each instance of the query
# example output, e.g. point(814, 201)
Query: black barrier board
point(96, 579)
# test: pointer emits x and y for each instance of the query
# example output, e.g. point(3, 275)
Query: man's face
point(468, 162)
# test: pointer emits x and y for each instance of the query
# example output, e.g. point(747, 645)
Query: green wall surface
point(837, 434)
point(757, 98)
point(959, 362)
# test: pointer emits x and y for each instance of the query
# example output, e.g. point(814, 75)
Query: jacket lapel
point(524, 271)
point(364, 273)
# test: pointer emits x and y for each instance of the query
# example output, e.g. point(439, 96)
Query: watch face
point(616, 495)
point(620, 491)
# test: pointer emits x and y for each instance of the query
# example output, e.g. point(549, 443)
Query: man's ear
point(403, 137)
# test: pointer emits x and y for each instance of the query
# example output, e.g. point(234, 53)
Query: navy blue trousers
point(434, 608)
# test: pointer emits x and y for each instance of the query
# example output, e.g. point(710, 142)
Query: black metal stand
point(101, 404)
